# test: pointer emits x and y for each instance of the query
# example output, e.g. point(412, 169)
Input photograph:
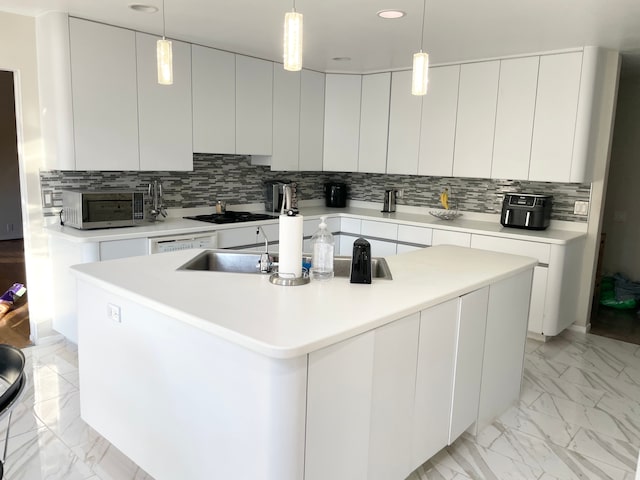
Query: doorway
point(14, 325)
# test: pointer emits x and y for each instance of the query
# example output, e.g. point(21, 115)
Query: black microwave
point(88, 209)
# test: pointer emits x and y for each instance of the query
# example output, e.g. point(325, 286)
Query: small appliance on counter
point(361, 262)
point(389, 204)
point(274, 191)
point(526, 210)
point(156, 194)
point(335, 194)
point(88, 209)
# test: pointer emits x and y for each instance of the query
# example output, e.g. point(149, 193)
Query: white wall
point(18, 54)
point(622, 212)
point(10, 213)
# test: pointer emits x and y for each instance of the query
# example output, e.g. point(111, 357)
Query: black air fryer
point(526, 210)
point(335, 195)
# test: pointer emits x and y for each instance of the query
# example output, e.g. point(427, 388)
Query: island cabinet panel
point(105, 98)
point(183, 403)
point(214, 100)
point(434, 380)
point(286, 119)
point(555, 118)
point(475, 122)
point(164, 111)
point(503, 361)
point(438, 131)
point(468, 367)
point(514, 118)
point(123, 248)
point(341, 122)
point(374, 123)
point(339, 392)
point(392, 399)
point(254, 106)
point(311, 121)
point(404, 126)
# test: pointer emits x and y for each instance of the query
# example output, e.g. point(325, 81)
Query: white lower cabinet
point(123, 248)
point(434, 386)
point(447, 237)
point(467, 374)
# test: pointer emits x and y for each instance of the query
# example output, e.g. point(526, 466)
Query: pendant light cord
point(424, 14)
point(164, 27)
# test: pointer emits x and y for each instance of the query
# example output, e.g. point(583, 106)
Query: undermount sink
point(247, 262)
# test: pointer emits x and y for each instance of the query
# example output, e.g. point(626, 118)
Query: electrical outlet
point(47, 199)
point(113, 311)
point(581, 208)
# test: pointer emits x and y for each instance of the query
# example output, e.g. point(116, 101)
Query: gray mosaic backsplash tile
point(234, 179)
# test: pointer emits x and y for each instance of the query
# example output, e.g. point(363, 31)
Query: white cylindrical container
point(290, 248)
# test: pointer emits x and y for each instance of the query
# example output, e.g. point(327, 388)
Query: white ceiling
point(455, 30)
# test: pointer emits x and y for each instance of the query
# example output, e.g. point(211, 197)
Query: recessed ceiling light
point(341, 59)
point(139, 7)
point(389, 14)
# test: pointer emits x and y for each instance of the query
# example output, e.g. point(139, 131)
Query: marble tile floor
point(578, 418)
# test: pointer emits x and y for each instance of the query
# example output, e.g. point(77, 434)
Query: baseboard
point(580, 328)
point(537, 336)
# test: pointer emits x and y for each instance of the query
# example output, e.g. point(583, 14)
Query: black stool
point(12, 382)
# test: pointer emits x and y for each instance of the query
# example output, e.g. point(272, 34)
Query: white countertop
point(285, 322)
point(180, 226)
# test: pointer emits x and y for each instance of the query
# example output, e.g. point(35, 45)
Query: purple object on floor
point(16, 291)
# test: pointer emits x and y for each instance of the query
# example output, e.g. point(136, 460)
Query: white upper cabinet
point(164, 111)
point(438, 131)
point(342, 122)
point(476, 119)
point(514, 118)
point(555, 118)
point(214, 100)
point(311, 121)
point(404, 126)
point(374, 123)
point(286, 119)
point(254, 106)
point(105, 107)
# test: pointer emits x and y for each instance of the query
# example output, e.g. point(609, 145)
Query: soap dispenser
point(323, 246)
point(361, 262)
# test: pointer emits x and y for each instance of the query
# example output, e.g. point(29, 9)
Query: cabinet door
point(434, 380)
point(514, 118)
point(438, 130)
point(374, 123)
point(339, 389)
point(538, 298)
point(124, 248)
point(392, 399)
point(346, 244)
point(311, 121)
point(286, 119)
point(555, 118)
point(506, 333)
point(418, 235)
point(254, 106)
point(238, 237)
point(404, 126)
point(468, 365)
point(476, 119)
point(105, 99)
point(341, 123)
point(380, 248)
point(385, 230)
point(164, 111)
point(447, 237)
point(214, 100)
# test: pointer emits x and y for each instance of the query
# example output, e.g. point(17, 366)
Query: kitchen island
point(205, 375)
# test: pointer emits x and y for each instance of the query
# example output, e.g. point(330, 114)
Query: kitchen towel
point(290, 249)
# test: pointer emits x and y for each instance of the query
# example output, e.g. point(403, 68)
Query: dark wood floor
point(619, 324)
point(14, 326)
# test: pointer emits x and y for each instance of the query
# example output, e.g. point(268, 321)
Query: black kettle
point(361, 262)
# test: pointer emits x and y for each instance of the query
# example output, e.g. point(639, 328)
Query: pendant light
point(420, 78)
point(293, 40)
point(164, 56)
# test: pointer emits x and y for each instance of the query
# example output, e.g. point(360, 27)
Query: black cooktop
point(232, 217)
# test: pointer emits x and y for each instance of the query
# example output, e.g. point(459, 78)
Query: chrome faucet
point(266, 261)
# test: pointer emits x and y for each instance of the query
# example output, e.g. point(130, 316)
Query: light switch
point(113, 311)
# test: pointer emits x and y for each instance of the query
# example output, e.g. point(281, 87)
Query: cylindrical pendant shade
point(420, 79)
point(293, 41)
point(165, 62)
